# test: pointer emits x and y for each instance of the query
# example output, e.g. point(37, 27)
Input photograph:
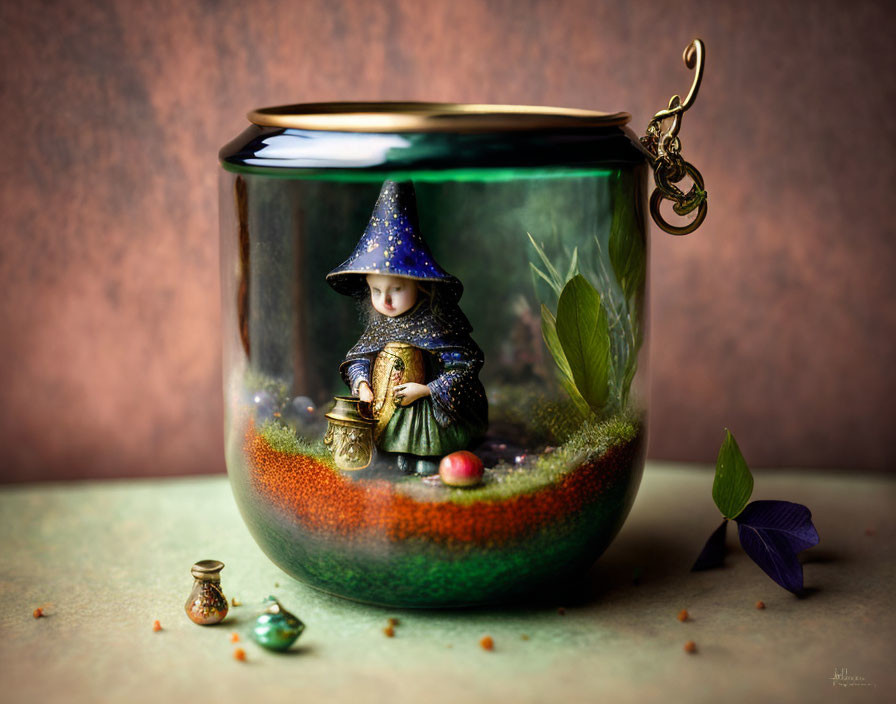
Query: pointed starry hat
point(392, 245)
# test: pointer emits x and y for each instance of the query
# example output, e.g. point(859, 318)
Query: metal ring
point(658, 196)
point(666, 182)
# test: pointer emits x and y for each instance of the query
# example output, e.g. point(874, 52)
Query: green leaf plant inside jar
point(434, 338)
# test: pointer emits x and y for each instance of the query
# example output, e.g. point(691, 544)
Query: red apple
point(461, 468)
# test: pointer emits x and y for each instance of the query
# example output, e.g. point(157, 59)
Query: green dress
point(456, 411)
point(414, 430)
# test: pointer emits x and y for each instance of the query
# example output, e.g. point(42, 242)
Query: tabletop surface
point(106, 559)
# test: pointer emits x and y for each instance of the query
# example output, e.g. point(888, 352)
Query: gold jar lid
point(430, 117)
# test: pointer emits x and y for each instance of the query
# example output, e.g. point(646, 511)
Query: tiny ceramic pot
point(405, 281)
point(206, 604)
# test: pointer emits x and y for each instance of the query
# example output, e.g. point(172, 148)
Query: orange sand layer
point(324, 501)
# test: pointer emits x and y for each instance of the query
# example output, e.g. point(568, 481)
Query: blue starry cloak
point(456, 410)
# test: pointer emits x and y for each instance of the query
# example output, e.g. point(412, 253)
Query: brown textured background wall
point(776, 319)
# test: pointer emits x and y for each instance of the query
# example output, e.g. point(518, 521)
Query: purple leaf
point(713, 553)
point(772, 533)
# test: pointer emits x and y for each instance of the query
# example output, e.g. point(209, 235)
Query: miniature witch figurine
point(415, 362)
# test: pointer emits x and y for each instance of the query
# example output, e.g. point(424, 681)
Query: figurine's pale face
point(392, 295)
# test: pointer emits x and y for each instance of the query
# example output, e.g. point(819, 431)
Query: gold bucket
point(350, 433)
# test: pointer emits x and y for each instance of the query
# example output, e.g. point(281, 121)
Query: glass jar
point(416, 292)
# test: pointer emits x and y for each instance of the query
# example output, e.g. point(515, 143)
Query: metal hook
point(693, 56)
point(664, 147)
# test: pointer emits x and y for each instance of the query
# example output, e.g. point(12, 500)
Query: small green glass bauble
point(276, 628)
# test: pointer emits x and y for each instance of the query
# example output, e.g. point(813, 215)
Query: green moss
point(592, 440)
point(539, 421)
point(527, 412)
point(284, 440)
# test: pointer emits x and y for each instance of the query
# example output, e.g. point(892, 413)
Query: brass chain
point(669, 168)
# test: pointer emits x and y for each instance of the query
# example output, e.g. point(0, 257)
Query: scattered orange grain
point(683, 615)
point(486, 643)
point(38, 612)
point(234, 637)
point(393, 621)
point(239, 654)
point(156, 626)
point(760, 604)
point(690, 647)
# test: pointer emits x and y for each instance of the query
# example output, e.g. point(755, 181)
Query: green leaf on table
point(733, 483)
point(549, 332)
point(584, 335)
point(772, 533)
